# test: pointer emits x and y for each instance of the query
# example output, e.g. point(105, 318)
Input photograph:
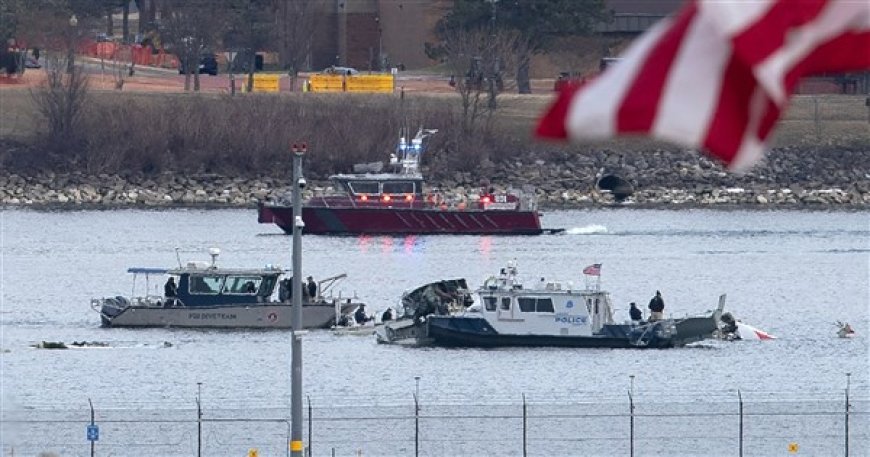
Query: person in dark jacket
point(312, 288)
point(635, 313)
point(170, 291)
point(360, 315)
point(657, 308)
point(387, 316)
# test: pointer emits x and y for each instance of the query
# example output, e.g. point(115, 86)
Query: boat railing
point(526, 199)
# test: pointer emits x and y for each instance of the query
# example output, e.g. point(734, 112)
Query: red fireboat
point(370, 201)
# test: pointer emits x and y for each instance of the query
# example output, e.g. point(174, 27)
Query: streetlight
point(494, 70)
point(296, 445)
point(380, 44)
point(71, 56)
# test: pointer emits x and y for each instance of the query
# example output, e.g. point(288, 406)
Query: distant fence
point(140, 55)
point(355, 83)
point(667, 425)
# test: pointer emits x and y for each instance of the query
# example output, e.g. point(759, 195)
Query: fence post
point(310, 443)
point(631, 424)
point(91, 404)
point(416, 416)
point(525, 428)
point(198, 419)
point(740, 409)
point(848, 379)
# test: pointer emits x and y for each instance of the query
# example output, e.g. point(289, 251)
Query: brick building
point(375, 34)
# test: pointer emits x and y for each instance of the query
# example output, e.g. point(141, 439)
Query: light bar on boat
point(364, 198)
point(386, 198)
point(409, 197)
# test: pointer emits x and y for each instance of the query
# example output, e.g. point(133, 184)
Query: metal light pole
point(71, 52)
point(299, 183)
point(493, 70)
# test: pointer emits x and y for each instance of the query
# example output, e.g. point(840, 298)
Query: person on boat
point(170, 291)
point(387, 316)
point(312, 287)
point(360, 315)
point(657, 308)
point(285, 290)
point(635, 313)
point(250, 287)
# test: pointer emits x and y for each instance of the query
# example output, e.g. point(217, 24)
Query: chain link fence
point(648, 424)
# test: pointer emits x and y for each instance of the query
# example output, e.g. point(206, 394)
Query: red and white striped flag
point(716, 75)
point(593, 270)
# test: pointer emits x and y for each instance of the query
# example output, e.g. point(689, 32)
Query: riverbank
point(791, 177)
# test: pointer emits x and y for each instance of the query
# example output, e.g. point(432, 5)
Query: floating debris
point(95, 344)
point(844, 330)
point(50, 345)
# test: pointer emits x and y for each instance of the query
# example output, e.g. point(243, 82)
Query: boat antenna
point(214, 253)
point(178, 255)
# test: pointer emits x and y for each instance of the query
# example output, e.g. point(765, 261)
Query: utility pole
point(299, 183)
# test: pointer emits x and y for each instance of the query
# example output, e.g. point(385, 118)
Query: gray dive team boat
point(210, 296)
point(547, 314)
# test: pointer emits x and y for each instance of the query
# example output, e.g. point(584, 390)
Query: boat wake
point(593, 229)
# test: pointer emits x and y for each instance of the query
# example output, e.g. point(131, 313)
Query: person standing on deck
point(635, 313)
point(170, 291)
point(657, 308)
point(312, 288)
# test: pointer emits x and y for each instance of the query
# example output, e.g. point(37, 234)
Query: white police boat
point(211, 296)
point(548, 314)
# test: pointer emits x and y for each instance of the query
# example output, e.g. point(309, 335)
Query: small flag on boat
point(593, 270)
point(716, 75)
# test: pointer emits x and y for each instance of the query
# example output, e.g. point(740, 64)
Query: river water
point(790, 273)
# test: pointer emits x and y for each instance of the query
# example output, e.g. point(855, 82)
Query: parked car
point(333, 70)
point(207, 64)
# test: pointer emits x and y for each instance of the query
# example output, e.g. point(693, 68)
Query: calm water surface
point(791, 273)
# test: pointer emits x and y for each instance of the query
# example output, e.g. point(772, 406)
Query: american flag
point(716, 75)
point(593, 270)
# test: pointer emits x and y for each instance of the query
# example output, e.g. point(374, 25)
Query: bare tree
point(190, 27)
point(478, 61)
point(250, 28)
point(61, 100)
point(295, 30)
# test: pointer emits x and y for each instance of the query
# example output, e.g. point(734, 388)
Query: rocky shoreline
point(791, 178)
